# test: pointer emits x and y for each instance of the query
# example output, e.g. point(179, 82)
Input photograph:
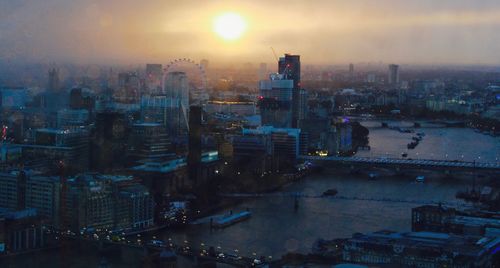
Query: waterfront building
point(20, 231)
point(109, 202)
point(419, 249)
point(450, 220)
point(286, 142)
point(19, 191)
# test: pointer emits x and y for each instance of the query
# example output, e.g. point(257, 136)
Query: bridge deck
point(407, 162)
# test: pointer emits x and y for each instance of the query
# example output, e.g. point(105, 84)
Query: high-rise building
point(53, 83)
point(148, 142)
point(50, 146)
point(289, 67)
point(194, 151)
point(166, 111)
point(154, 74)
point(393, 77)
point(129, 88)
point(20, 191)
point(176, 88)
point(275, 101)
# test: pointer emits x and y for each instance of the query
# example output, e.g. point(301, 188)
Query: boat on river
point(231, 219)
point(330, 192)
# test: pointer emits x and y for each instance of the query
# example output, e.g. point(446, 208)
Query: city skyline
point(323, 32)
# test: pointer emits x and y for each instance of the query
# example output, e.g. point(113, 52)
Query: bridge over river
point(404, 163)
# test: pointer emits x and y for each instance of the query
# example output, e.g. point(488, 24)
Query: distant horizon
point(451, 32)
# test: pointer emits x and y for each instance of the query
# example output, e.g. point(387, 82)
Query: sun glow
point(229, 26)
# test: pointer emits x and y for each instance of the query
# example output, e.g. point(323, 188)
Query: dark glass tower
point(289, 66)
point(194, 151)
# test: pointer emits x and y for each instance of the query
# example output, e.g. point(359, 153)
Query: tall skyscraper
point(275, 101)
point(393, 78)
point(53, 83)
point(176, 88)
point(289, 67)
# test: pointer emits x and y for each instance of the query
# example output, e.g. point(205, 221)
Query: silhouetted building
point(53, 84)
point(154, 74)
point(194, 151)
point(108, 148)
point(393, 77)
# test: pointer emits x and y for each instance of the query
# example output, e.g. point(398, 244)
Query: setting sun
point(229, 26)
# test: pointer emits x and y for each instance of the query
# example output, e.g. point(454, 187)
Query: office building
point(148, 142)
point(20, 231)
point(154, 74)
point(19, 191)
point(276, 101)
point(289, 67)
point(129, 88)
point(393, 77)
point(53, 84)
point(69, 147)
point(166, 111)
point(351, 71)
point(72, 118)
point(108, 139)
point(110, 202)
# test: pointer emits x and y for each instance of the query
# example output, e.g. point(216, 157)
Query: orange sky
point(322, 31)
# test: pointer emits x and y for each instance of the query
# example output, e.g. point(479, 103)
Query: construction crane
point(285, 71)
point(275, 56)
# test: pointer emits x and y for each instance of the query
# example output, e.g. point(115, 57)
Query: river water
point(276, 227)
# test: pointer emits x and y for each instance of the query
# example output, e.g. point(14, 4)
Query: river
point(276, 228)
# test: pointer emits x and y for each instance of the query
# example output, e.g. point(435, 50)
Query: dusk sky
point(323, 32)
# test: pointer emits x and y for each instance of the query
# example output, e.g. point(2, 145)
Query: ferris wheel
point(195, 73)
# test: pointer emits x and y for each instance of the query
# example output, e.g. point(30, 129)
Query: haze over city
point(259, 133)
point(323, 32)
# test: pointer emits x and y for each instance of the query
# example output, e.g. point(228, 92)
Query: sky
point(321, 31)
